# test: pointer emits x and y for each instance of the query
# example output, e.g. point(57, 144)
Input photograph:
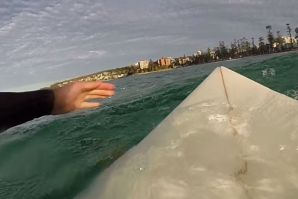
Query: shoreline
point(145, 73)
point(215, 62)
point(153, 72)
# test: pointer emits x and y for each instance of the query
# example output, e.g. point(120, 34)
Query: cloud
point(92, 54)
point(47, 40)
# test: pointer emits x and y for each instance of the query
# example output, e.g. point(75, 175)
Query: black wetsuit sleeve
point(18, 108)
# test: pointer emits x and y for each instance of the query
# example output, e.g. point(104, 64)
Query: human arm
point(18, 108)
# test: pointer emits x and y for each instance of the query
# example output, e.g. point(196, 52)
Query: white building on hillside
point(288, 39)
point(143, 64)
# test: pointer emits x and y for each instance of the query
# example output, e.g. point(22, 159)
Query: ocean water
point(58, 156)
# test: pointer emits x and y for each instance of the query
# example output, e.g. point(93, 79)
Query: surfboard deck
point(230, 138)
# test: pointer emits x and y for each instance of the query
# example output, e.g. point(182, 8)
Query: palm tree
point(280, 40)
point(239, 47)
point(296, 30)
point(289, 31)
point(261, 44)
point(223, 50)
point(270, 37)
point(208, 55)
point(269, 28)
point(253, 45)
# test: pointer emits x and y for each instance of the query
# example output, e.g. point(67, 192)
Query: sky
point(45, 41)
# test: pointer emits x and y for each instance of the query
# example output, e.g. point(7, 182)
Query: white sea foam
point(268, 72)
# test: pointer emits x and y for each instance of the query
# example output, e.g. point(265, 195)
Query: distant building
point(143, 64)
point(199, 53)
point(288, 39)
point(183, 60)
point(288, 42)
point(172, 60)
point(212, 54)
point(164, 61)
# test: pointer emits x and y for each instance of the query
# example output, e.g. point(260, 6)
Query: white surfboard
point(231, 138)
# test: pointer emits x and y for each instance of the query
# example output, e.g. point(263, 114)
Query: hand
point(72, 96)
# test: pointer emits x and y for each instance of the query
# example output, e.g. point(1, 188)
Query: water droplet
point(282, 147)
point(141, 169)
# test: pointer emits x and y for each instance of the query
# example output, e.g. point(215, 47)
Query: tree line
point(238, 48)
point(243, 47)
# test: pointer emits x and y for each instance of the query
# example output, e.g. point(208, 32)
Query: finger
point(95, 97)
point(89, 104)
point(87, 86)
point(105, 86)
point(101, 92)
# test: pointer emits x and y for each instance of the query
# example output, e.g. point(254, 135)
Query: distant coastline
point(240, 48)
point(89, 77)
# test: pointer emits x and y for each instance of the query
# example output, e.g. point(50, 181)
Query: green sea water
point(56, 157)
